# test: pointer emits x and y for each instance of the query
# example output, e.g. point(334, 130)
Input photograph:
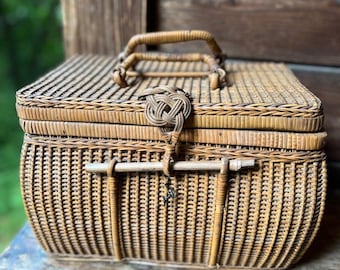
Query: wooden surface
point(282, 30)
point(101, 27)
point(25, 253)
point(300, 31)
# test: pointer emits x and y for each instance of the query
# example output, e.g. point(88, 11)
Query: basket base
point(153, 265)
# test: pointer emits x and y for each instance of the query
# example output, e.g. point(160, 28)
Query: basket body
point(271, 215)
point(260, 217)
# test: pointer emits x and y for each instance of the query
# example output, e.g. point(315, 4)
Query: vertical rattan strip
point(77, 202)
point(182, 220)
point(198, 223)
point(243, 215)
point(89, 187)
point(157, 201)
point(143, 204)
point(191, 224)
point(114, 204)
point(27, 186)
point(57, 197)
point(299, 191)
point(163, 215)
point(125, 214)
point(171, 227)
point(230, 218)
point(221, 188)
point(136, 219)
point(309, 197)
point(48, 168)
point(73, 199)
point(204, 203)
point(66, 189)
point(253, 200)
point(320, 193)
point(79, 211)
point(39, 197)
point(285, 216)
point(265, 208)
point(276, 212)
point(153, 217)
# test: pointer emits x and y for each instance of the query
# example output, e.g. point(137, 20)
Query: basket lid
point(261, 96)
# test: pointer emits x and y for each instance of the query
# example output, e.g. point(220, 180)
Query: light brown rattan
point(173, 37)
point(262, 96)
point(217, 75)
point(271, 212)
point(261, 217)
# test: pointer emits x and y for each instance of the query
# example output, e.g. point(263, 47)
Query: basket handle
point(216, 75)
point(156, 38)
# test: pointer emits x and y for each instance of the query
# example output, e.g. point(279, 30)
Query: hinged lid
point(258, 96)
point(263, 96)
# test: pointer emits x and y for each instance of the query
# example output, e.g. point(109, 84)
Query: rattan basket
point(184, 160)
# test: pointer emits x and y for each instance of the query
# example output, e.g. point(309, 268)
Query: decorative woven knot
point(119, 76)
point(167, 107)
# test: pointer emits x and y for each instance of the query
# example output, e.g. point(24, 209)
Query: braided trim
point(288, 110)
point(204, 150)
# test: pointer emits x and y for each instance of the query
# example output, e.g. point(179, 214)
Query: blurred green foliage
point(30, 44)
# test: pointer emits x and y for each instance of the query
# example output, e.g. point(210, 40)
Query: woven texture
point(93, 114)
point(261, 96)
point(271, 213)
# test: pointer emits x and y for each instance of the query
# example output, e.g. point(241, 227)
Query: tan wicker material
point(217, 75)
point(256, 202)
point(173, 37)
point(262, 96)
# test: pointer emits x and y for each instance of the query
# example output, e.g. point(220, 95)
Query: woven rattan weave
point(173, 159)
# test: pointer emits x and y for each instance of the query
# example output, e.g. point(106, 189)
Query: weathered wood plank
point(101, 27)
point(325, 83)
point(303, 31)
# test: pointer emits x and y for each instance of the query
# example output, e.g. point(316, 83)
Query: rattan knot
point(217, 77)
point(119, 76)
point(167, 107)
point(168, 158)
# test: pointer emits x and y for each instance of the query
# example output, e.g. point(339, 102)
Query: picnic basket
point(176, 159)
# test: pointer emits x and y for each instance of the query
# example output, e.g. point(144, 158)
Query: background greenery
point(30, 44)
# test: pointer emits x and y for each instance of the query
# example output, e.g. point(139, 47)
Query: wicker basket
point(176, 159)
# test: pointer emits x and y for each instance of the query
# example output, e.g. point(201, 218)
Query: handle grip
point(216, 75)
point(156, 38)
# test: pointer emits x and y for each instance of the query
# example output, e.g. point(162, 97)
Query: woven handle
point(216, 75)
point(174, 37)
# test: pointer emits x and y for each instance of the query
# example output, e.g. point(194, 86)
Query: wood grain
point(285, 30)
point(101, 27)
point(325, 83)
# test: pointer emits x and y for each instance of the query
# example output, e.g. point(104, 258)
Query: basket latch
point(167, 107)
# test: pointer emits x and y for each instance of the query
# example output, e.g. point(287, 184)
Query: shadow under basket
point(184, 160)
